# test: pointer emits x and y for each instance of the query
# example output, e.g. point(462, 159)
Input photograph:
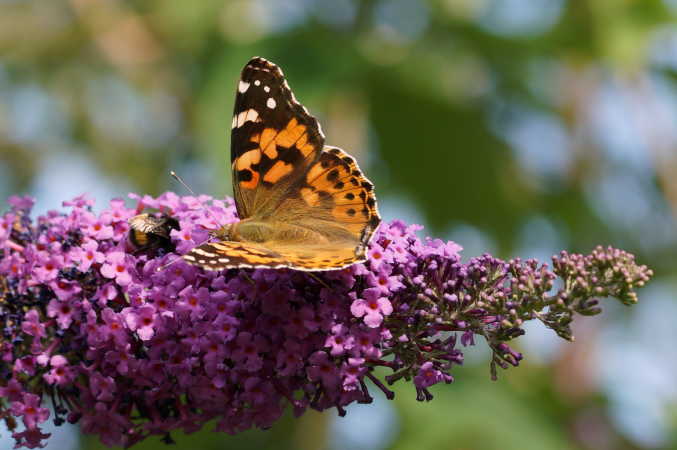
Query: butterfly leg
point(318, 279)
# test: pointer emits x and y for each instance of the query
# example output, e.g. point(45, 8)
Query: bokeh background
point(518, 127)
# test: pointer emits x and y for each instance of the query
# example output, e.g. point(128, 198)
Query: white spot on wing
point(249, 115)
point(257, 82)
point(243, 86)
point(266, 88)
point(271, 103)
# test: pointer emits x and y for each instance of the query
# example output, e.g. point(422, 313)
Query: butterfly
point(302, 205)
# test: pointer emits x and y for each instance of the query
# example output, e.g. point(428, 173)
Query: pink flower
point(302, 323)
point(118, 212)
point(60, 374)
point(114, 326)
point(384, 281)
point(257, 391)
point(82, 201)
point(24, 203)
point(12, 391)
point(224, 327)
point(30, 438)
point(290, 359)
point(99, 231)
point(107, 423)
point(63, 312)
point(366, 342)
point(32, 326)
point(141, 320)
point(5, 227)
point(339, 340)
point(102, 387)
point(115, 267)
point(247, 349)
point(372, 307)
point(428, 375)
point(88, 254)
point(65, 289)
point(323, 370)
point(193, 301)
point(187, 236)
point(29, 408)
point(49, 269)
point(122, 359)
point(214, 354)
point(26, 365)
point(376, 256)
point(352, 372)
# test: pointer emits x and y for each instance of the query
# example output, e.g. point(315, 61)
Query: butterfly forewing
point(273, 141)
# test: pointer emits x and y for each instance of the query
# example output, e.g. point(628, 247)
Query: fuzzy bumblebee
point(148, 232)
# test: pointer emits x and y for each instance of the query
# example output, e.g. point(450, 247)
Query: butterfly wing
point(334, 199)
point(231, 254)
point(273, 139)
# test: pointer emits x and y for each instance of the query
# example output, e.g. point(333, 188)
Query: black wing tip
point(262, 64)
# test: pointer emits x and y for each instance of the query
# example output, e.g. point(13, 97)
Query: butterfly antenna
point(184, 184)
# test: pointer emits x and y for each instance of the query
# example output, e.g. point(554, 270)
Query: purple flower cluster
point(134, 342)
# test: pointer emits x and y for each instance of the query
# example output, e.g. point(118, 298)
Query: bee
point(150, 232)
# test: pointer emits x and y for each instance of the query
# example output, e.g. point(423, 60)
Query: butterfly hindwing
point(337, 178)
point(335, 200)
point(231, 254)
point(226, 254)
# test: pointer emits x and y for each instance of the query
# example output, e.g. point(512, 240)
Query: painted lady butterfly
point(302, 205)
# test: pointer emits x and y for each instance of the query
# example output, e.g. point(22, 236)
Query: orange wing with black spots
point(334, 198)
point(302, 205)
point(273, 138)
point(337, 178)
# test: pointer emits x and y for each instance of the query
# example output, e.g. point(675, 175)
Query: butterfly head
point(224, 233)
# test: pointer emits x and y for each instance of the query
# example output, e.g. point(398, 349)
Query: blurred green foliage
point(528, 125)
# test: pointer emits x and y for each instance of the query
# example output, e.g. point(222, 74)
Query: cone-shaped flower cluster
point(114, 337)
